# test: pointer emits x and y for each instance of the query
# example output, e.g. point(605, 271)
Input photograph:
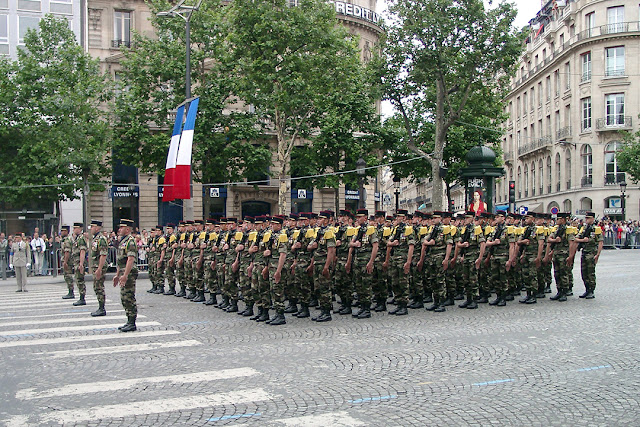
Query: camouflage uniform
point(499, 258)
point(258, 282)
point(127, 248)
point(230, 288)
point(367, 236)
point(587, 262)
point(244, 280)
point(99, 247)
point(380, 276)
point(198, 272)
point(303, 259)
point(325, 238)
point(441, 234)
point(529, 252)
point(406, 237)
point(474, 235)
point(416, 288)
point(210, 277)
point(79, 244)
point(560, 249)
point(279, 244)
point(219, 256)
point(170, 270)
point(152, 258)
point(67, 246)
point(343, 281)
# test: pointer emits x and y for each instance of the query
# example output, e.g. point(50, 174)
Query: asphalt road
point(574, 363)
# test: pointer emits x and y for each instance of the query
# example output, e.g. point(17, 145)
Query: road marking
point(426, 382)
point(233, 417)
point(117, 349)
point(593, 368)
point(333, 419)
point(82, 311)
point(100, 386)
point(46, 304)
point(508, 380)
point(65, 340)
point(50, 321)
point(30, 309)
point(18, 332)
point(156, 406)
point(373, 399)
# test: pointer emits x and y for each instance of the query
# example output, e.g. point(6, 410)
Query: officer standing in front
point(127, 273)
point(67, 245)
point(99, 251)
point(590, 240)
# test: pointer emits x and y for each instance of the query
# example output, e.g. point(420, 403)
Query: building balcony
point(117, 43)
point(614, 178)
point(543, 143)
point(586, 181)
point(564, 133)
point(508, 157)
point(614, 123)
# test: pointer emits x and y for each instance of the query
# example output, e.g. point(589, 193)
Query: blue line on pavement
point(231, 417)
point(593, 368)
point(77, 311)
point(508, 380)
point(194, 323)
point(373, 399)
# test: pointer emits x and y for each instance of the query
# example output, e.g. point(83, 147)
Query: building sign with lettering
point(123, 191)
point(355, 11)
point(351, 194)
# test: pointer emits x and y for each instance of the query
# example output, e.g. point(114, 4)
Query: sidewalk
point(48, 280)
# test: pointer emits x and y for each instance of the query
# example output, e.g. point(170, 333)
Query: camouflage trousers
point(79, 276)
point(170, 273)
point(260, 285)
point(210, 278)
point(188, 273)
point(435, 261)
point(499, 273)
point(290, 290)
point(588, 271)
point(128, 295)
point(153, 270)
point(220, 273)
point(561, 272)
point(450, 280)
point(470, 275)
point(363, 280)
point(68, 277)
point(230, 288)
point(303, 280)
point(277, 289)
point(399, 280)
point(483, 277)
point(416, 280)
point(380, 279)
point(322, 284)
point(180, 275)
point(244, 282)
point(529, 275)
point(198, 273)
point(343, 281)
point(98, 285)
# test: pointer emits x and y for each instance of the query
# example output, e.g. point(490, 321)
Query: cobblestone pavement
point(575, 363)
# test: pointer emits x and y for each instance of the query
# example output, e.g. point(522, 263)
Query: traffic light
point(453, 206)
point(512, 191)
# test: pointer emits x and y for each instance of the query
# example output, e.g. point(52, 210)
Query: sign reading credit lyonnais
point(348, 9)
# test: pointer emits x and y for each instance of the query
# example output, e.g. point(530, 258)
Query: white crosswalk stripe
point(71, 328)
point(117, 349)
point(45, 304)
point(103, 386)
point(75, 312)
point(153, 407)
point(30, 308)
point(88, 318)
point(76, 339)
point(333, 419)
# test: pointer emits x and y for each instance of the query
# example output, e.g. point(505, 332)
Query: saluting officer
point(560, 241)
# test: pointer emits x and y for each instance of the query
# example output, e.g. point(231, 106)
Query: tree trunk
point(448, 189)
point(336, 196)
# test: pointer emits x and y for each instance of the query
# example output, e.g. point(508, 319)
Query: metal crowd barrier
point(625, 241)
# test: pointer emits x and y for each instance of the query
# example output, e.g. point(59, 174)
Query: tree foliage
point(152, 84)
point(52, 130)
point(629, 156)
point(440, 55)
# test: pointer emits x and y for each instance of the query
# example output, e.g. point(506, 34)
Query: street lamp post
point(623, 189)
point(360, 170)
point(396, 191)
point(185, 12)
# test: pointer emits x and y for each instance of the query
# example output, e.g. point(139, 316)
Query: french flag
point(170, 170)
point(182, 175)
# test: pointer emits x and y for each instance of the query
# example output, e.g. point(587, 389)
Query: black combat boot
point(381, 305)
point(171, 290)
point(130, 326)
point(524, 299)
point(417, 303)
point(589, 294)
point(508, 296)
point(100, 311)
point(182, 292)
point(213, 300)
point(436, 304)
point(292, 307)
point(233, 307)
point(497, 300)
point(81, 301)
point(532, 299)
point(225, 303)
point(160, 290)
point(557, 296)
point(428, 299)
point(449, 301)
point(278, 319)
point(467, 302)
point(152, 290)
point(325, 316)
point(257, 316)
point(440, 308)
point(264, 316)
point(584, 295)
point(366, 312)
point(473, 304)
point(547, 289)
point(501, 302)
point(563, 296)
point(192, 293)
point(402, 310)
point(540, 293)
point(484, 298)
point(569, 293)
point(360, 311)
point(248, 311)
point(304, 311)
point(199, 297)
point(70, 295)
point(459, 296)
point(346, 309)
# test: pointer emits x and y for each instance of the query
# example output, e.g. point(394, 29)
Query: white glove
point(28, 265)
point(10, 266)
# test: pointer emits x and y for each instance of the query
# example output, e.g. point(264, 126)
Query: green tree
point(152, 84)
point(629, 156)
point(438, 55)
point(52, 125)
point(295, 66)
